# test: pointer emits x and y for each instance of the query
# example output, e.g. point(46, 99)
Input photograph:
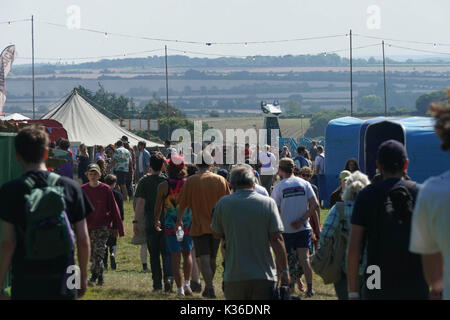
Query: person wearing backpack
point(105, 217)
point(381, 220)
point(36, 216)
point(330, 260)
point(167, 196)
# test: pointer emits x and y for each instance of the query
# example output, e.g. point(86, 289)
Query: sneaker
point(113, 263)
point(209, 293)
point(196, 287)
point(168, 285)
point(309, 294)
point(180, 292)
point(187, 291)
point(100, 281)
point(92, 281)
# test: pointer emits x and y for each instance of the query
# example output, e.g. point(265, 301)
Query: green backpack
point(48, 234)
point(327, 261)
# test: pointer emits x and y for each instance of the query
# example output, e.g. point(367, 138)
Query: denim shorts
point(173, 245)
point(301, 239)
point(120, 177)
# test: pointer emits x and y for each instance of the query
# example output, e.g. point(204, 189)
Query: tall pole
point(351, 76)
point(32, 60)
point(167, 97)
point(384, 76)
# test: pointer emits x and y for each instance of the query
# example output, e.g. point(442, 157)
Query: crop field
point(289, 127)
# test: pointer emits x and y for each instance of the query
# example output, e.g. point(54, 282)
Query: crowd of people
point(263, 215)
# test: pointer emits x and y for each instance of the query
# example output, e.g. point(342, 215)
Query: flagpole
point(167, 97)
point(351, 76)
point(384, 77)
point(32, 60)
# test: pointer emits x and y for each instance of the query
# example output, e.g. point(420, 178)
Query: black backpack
point(401, 271)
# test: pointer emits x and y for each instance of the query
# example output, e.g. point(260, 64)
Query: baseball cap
point(94, 167)
point(124, 138)
point(286, 163)
point(344, 175)
point(392, 155)
point(223, 173)
point(176, 160)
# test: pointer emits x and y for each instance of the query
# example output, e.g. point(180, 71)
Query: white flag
point(6, 60)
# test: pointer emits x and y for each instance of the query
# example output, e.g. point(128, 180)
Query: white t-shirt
point(320, 161)
point(261, 190)
point(268, 161)
point(431, 221)
point(291, 196)
point(141, 162)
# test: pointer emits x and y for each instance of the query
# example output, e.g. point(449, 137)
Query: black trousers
point(157, 249)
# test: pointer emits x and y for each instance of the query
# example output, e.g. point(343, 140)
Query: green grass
point(128, 282)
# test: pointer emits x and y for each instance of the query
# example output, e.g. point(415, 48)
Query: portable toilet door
point(375, 134)
point(9, 168)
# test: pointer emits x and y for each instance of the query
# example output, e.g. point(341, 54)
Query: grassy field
point(293, 128)
point(128, 282)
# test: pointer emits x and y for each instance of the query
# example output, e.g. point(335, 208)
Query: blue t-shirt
point(301, 162)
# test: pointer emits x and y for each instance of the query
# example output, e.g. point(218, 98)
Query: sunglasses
point(306, 175)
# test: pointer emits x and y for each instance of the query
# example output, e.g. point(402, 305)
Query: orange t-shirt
point(201, 193)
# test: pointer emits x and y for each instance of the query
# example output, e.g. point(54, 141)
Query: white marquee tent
point(85, 124)
point(14, 116)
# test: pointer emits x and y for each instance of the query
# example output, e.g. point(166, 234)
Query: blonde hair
point(355, 182)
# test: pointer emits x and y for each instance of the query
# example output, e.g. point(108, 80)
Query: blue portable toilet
point(345, 135)
point(341, 143)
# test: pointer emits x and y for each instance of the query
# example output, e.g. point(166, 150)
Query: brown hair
point(102, 164)
point(441, 113)
point(64, 144)
point(174, 172)
point(110, 179)
point(156, 161)
point(31, 143)
point(306, 170)
point(191, 169)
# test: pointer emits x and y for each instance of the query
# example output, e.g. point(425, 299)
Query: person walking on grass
point(251, 225)
point(352, 185)
point(120, 164)
point(111, 244)
point(268, 168)
point(382, 214)
point(200, 193)
point(296, 201)
point(105, 217)
point(142, 162)
point(35, 277)
point(431, 218)
point(146, 194)
point(83, 162)
point(167, 194)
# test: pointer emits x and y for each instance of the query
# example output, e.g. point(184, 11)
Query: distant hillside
point(320, 60)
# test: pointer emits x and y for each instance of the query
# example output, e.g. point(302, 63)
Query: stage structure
point(271, 113)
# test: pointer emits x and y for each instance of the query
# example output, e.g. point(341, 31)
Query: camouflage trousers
point(99, 237)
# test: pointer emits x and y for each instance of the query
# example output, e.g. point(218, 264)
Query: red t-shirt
point(106, 212)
